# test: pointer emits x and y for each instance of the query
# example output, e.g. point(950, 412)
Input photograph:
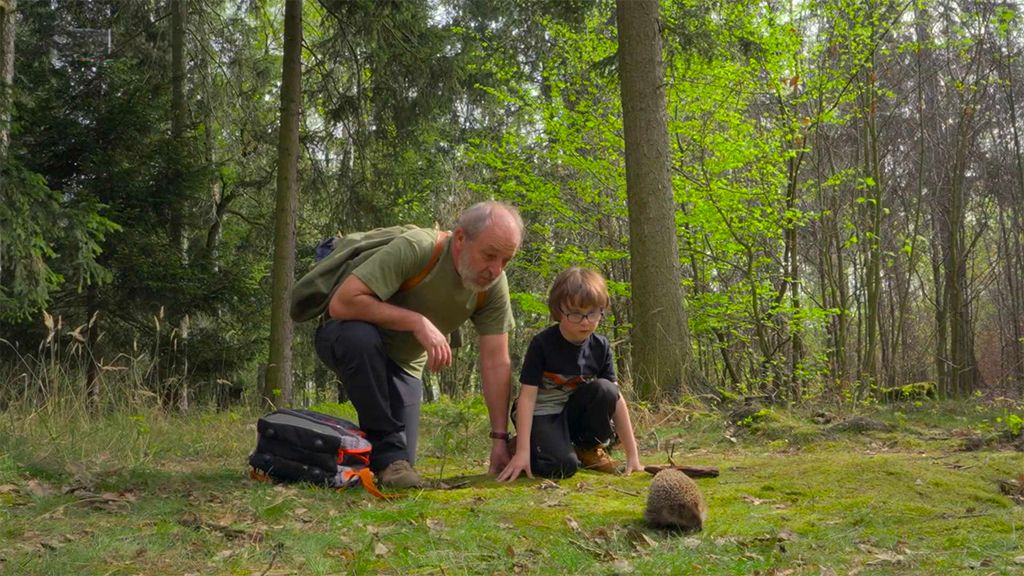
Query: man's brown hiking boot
point(400, 474)
point(595, 459)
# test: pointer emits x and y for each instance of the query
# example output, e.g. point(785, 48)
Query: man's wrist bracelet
point(499, 435)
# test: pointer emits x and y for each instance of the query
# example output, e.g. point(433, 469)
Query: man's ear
point(458, 241)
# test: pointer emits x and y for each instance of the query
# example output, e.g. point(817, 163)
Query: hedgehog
point(675, 502)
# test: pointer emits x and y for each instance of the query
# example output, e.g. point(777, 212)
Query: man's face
point(481, 260)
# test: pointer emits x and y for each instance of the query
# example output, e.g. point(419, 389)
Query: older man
point(379, 338)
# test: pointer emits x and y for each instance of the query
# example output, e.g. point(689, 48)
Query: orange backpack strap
point(366, 479)
point(411, 283)
point(258, 475)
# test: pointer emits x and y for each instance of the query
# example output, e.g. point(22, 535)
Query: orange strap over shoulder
point(435, 256)
point(413, 282)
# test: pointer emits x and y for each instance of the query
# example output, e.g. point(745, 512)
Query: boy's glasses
point(579, 317)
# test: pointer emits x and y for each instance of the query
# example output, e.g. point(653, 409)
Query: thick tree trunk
point(660, 339)
point(7, 8)
point(278, 387)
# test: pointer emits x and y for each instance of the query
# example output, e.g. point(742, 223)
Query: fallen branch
point(691, 471)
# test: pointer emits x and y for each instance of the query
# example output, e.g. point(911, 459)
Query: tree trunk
point(179, 10)
point(930, 162)
point(278, 387)
point(660, 338)
point(7, 8)
point(872, 236)
point(178, 120)
point(790, 236)
point(1013, 248)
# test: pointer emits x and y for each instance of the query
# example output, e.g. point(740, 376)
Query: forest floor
point(927, 488)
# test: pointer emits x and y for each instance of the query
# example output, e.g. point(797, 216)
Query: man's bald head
point(482, 215)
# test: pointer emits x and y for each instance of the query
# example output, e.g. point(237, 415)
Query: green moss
point(789, 497)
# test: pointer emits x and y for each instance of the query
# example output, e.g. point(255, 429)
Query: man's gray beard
point(477, 288)
point(464, 273)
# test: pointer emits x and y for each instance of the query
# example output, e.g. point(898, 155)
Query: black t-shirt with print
point(557, 366)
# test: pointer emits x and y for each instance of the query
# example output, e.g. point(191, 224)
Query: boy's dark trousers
point(386, 397)
point(585, 422)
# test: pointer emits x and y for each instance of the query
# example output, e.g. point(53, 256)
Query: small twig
point(958, 516)
point(277, 550)
point(631, 493)
point(584, 546)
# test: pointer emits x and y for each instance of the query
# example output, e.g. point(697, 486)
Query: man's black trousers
point(386, 397)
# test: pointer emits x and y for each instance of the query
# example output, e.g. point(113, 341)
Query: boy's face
point(579, 322)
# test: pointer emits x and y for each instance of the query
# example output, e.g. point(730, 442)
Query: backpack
point(308, 446)
point(312, 293)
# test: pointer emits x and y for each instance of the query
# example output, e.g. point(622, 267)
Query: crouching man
point(379, 337)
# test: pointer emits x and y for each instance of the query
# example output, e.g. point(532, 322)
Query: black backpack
point(308, 446)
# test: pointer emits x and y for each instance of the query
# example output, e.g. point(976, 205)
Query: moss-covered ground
point(799, 493)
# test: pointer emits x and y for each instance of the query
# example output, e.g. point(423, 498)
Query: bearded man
point(379, 338)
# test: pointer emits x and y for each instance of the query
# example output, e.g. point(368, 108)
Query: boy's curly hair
point(578, 287)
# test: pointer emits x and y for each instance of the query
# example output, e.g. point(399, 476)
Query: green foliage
point(1013, 423)
point(47, 241)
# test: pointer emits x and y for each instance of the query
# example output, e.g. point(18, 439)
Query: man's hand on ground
point(499, 457)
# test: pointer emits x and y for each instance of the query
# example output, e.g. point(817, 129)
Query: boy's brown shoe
point(596, 459)
point(400, 474)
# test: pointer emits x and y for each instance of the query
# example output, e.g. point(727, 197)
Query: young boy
point(569, 396)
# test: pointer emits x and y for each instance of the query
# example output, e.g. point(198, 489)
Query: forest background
point(847, 181)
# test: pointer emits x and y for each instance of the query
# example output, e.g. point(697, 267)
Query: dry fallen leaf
point(380, 549)
point(40, 489)
point(647, 540)
point(622, 567)
point(343, 553)
point(573, 524)
point(886, 557)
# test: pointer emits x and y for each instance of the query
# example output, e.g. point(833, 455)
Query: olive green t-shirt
point(440, 297)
